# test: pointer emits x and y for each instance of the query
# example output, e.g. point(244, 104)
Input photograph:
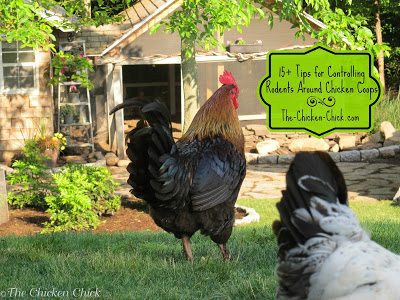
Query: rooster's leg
point(224, 250)
point(187, 248)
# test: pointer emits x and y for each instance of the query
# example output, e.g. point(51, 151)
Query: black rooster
point(192, 184)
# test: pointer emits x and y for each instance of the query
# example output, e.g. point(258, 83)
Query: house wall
point(165, 44)
point(280, 36)
point(98, 38)
point(158, 43)
point(21, 114)
point(247, 75)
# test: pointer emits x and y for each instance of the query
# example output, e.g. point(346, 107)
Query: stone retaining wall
point(280, 147)
point(345, 156)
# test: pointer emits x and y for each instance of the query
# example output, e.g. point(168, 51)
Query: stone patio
point(378, 180)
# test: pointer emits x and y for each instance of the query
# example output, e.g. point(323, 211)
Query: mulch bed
point(132, 216)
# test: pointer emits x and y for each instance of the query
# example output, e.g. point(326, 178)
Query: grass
point(147, 265)
point(388, 110)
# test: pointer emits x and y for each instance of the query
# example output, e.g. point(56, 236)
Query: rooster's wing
point(218, 175)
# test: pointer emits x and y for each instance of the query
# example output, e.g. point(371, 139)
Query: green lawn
point(147, 265)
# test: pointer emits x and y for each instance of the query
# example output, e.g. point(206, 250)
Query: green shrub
point(74, 197)
point(31, 178)
point(83, 193)
point(71, 208)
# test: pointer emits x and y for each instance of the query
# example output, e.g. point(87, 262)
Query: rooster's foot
point(187, 249)
point(225, 252)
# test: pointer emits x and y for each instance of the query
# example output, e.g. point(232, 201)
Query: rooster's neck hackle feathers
point(217, 117)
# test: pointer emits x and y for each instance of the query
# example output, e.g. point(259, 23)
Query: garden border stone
point(335, 156)
point(4, 215)
point(350, 156)
point(389, 151)
point(285, 158)
point(268, 159)
point(367, 155)
point(344, 156)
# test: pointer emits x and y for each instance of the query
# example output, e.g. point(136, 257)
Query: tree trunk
point(378, 30)
point(190, 79)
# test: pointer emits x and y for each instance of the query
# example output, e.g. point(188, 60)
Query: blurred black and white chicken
point(323, 251)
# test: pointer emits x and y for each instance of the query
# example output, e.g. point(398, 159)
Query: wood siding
point(247, 75)
point(21, 114)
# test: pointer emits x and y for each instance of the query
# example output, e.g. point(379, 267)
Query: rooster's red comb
point(227, 78)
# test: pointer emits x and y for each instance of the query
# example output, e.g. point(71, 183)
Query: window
point(17, 68)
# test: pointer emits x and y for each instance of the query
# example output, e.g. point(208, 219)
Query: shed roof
point(139, 18)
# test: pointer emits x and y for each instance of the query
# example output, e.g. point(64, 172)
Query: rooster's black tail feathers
point(154, 112)
point(147, 142)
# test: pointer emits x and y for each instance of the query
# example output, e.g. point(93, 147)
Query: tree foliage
point(31, 21)
point(20, 20)
point(390, 17)
point(343, 28)
point(202, 21)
